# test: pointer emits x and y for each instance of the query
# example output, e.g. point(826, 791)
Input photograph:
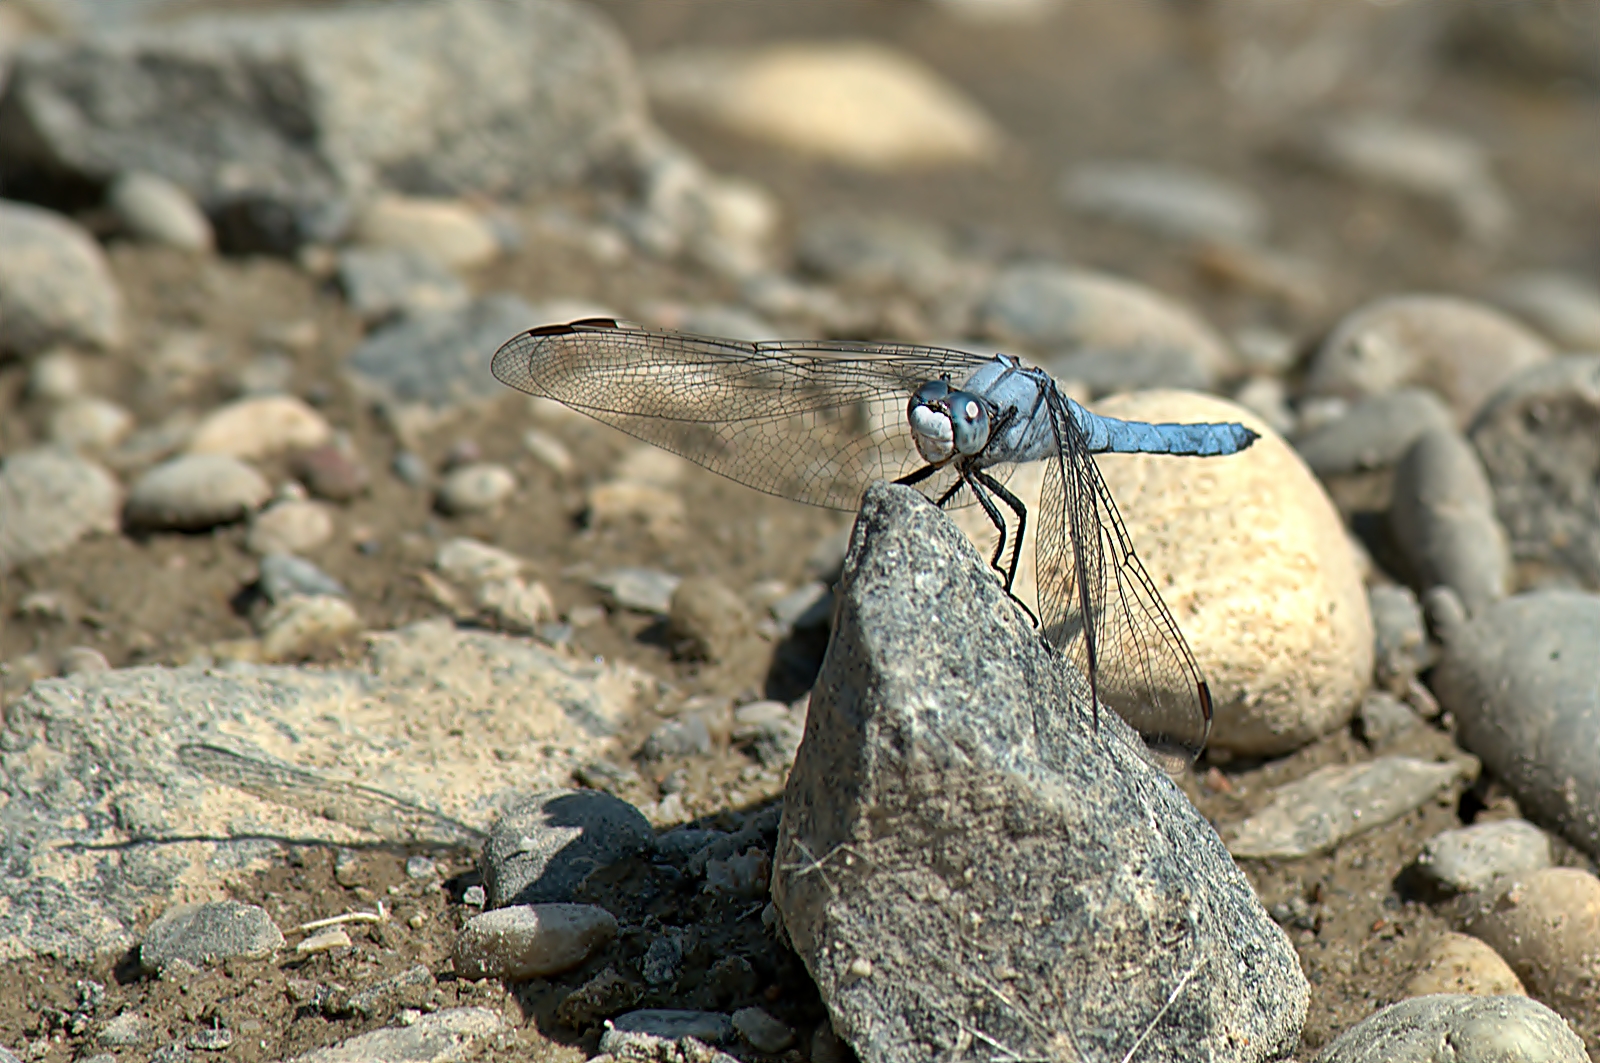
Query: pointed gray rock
point(969, 864)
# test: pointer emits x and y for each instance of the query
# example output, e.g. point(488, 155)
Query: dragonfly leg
point(978, 480)
point(912, 478)
point(1016, 507)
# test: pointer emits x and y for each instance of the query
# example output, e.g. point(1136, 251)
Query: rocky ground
point(358, 707)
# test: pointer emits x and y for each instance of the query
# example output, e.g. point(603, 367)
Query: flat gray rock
point(1313, 814)
point(49, 499)
point(1537, 441)
point(1520, 679)
point(434, 99)
point(673, 1024)
point(122, 788)
point(958, 836)
point(437, 359)
point(1472, 858)
point(1400, 638)
point(1459, 1028)
point(442, 1037)
point(1443, 518)
point(543, 848)
point(207, 933)
point(55, 286)
point(1375, 433)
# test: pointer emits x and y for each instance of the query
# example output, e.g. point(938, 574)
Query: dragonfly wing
point(814, 421)
point(1100, 607)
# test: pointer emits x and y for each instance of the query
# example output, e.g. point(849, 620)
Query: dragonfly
point(815, 421)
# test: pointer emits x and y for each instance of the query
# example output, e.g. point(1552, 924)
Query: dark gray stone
point(671, 1024)
point(542, 850)
point(956, 820)
point(199, 934)
point(1400, 638)
point(1442, 517)
point(285, 575)
point(434, 99)
point(1376, 432)
point(384, 282)
point(438, 359)
point(1472, 858)
point(55, 286)
point(1539, 438)
point(1461, 1028)
point(1520, 679)
point(50, 499)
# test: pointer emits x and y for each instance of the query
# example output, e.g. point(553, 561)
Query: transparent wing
point(813, 421)
point(1100, 607)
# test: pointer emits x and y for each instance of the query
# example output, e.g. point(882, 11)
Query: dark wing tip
point(585, 324)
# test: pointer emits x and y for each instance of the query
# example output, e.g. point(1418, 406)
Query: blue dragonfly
point(817, 420)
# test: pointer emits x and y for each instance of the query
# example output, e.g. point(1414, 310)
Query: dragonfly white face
point(945, 423)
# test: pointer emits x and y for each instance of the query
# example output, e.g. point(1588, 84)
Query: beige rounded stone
point(851, 101)
point(1251, 558)
point(1456, 963)
point(1463, 350)
point(254, 428)
point(1547, 926)
point(290, 527)
point(450, 231)
point(304, 624)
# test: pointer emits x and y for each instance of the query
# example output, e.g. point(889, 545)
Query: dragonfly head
point(945, 423)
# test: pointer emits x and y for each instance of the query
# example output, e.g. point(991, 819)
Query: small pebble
point(1563, 307)
point(622, 504)
point(747, 874)
point(475, 488)
point(446, 230)
point(671, 1024)
point(199, 934)
point(49, 500)
point(289, 528)
point(83, 660)
point(687, 736)
point(516, 605)
point(474, 897)
point(283, 576)
point(155, 210)
point(761, 1031)
point(532, 940)
point(1472, 858)
point(1459, 1028)
point(1456, 963)
point(662, 959)
point(411, 469)
point(470, 562)
point(706, 620)
point(303, 625)
point(384, 282)
point(211, 1039)
point(333, 471)
point(257, 427)
point(421, 867)
point(644, 590)
point(1314, 814)
point(1547, 926)
point(128, 1030)
point(541, 850)
point(1385, 718)
point(1168, 199)
point(550, 451)
point(1400, 639)
point(333, 937)
point(1443, 518)
point(56, 376)
point(195, 492)
point(90, 424)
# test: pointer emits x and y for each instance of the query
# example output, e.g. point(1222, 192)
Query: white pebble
point(549, 451)
point(471, 562)
point(157, 211)
point(302, 624)
point(450, 231)
point(476, 488)
point(531, 940)
point(56, 376)
point(256, 427)
point(332, 938)
point(290, 527)
point(194, 492)
point(90, 424)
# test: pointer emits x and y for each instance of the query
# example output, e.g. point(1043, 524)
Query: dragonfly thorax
point(947, 423)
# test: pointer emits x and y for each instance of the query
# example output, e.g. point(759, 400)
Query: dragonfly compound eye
point(969, 420)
